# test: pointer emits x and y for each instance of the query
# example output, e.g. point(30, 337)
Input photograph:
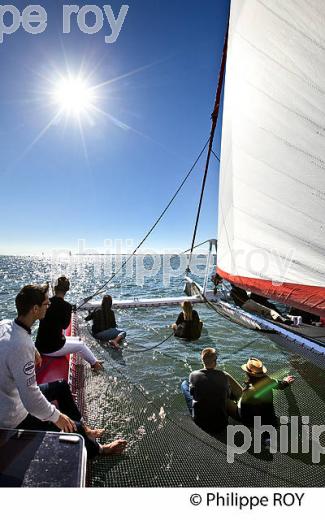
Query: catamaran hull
point(290, 340)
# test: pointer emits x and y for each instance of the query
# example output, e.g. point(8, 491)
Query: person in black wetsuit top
point(104, 324)
point(51, 340)
point(188, 325)
point(207, 393)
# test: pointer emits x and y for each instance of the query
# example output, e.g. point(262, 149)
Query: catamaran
point(270, 240)
point(272, 183)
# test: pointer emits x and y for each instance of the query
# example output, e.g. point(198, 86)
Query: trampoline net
point(165, 447)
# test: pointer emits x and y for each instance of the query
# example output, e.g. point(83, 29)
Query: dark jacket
point(257, 401)
point(50, 337)
point(101, 321)
point(188, 329)
point(210, 390)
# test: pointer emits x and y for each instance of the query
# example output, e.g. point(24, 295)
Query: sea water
point(160, 369)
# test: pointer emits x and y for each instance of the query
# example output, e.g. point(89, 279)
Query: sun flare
point(73, 96)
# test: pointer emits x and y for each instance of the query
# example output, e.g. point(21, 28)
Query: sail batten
point(271, 236)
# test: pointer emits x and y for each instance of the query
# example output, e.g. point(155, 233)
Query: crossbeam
point(146, 302)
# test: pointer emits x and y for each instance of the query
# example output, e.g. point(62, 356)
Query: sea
point(157, 368)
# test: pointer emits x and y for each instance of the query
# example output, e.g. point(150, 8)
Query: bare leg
point(95, 433)
point(119, 338)
point(116, 341)
point(97, 366)
point(114, 448)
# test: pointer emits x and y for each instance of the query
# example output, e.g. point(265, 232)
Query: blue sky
point(115, 183)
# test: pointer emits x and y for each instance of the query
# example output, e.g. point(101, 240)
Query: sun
point(77, 102)
point(73, 96)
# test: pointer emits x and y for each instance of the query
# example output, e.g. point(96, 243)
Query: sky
point(72, 182)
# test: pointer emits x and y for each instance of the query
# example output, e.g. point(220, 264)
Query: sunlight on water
point(159, 371)
point(139, 390)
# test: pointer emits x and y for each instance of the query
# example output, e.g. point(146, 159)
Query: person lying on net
point(51, 340)
point(23, 403)
point(241, 298)
point(104, 324)
point(188, 325)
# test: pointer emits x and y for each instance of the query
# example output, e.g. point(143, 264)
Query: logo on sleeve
point(29, 368)
point(31, 380)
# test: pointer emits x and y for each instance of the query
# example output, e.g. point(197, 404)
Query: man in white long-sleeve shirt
point(24, 404)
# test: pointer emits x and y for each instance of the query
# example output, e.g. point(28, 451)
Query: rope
point(144, 349)
point(149, 232)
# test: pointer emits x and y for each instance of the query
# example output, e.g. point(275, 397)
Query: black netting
point(165, 448)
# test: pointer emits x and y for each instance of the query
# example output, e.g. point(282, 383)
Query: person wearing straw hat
point(257, 396)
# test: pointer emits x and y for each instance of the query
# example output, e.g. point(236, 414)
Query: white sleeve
point(22, 367)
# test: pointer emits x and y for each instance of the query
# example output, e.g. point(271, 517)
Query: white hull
point(295, 342)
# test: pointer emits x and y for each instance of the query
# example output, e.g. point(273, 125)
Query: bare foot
point(97, 366)
point(94, 434)
point(114, 448)
point(114, 344)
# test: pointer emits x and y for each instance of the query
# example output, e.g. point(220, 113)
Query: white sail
point(272, 190)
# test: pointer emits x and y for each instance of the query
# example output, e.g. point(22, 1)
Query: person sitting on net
point(104, 324)
point(50, 339)
point(188, 325)
point(25, 405)
point(207, 392)
point(257, 397)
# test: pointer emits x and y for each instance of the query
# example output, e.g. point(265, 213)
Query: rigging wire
point(216, 156)
point(150, 230)
point(195, 247)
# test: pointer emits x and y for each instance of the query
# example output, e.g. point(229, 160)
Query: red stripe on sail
point(305, 297)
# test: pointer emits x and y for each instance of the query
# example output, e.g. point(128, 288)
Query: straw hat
point(254, 367)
